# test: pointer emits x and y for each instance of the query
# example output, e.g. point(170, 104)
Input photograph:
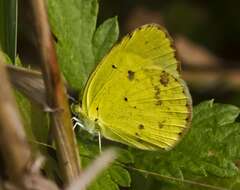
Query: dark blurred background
point(214, 24)
point(206, 34)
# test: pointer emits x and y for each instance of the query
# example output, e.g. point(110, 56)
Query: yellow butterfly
point(136, 95)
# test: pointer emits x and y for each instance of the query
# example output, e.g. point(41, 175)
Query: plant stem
point(63, 133)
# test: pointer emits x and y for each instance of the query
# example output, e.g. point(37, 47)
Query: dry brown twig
point(64, 138)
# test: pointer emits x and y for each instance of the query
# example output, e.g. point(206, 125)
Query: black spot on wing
point(157, 92)
point(160, 125)
point(131, 75)
point(114, 67)
point(164, 78)
point(125, 99)
point(141, 126)
point(157, 95)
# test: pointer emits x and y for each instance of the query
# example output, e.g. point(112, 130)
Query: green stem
point(8, 27)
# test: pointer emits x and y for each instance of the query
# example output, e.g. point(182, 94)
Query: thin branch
point(67, 151)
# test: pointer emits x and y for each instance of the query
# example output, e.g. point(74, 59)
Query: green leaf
point(120, 176)
point(40, 124)
point(124, 156)
point(24, 107)
point(111, 178)
point(103, 38)
point(79, 46)
point(105, 182)
point(210, 148)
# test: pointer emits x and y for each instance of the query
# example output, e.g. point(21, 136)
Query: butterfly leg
point(77, 122)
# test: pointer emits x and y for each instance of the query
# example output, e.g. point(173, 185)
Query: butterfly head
point(89, 125)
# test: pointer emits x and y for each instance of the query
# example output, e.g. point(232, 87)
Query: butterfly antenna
point(99, 142)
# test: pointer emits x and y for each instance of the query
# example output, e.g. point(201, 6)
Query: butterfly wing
point(136, 95)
